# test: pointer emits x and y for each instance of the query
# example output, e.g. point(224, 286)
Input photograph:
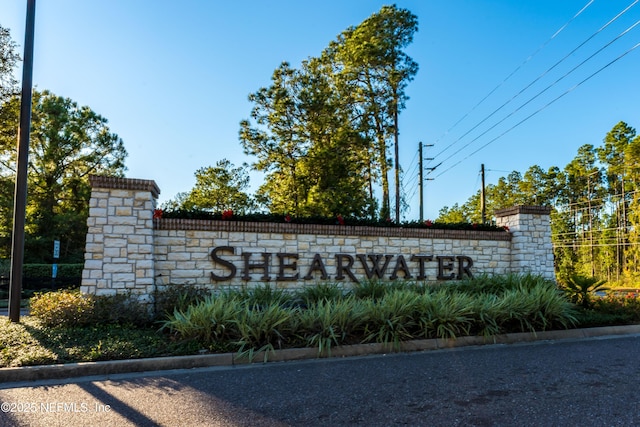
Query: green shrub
point(70, 308)
point(494, 284)
point(487, 309)
point(610, 310)
point(265, 318)
point(44, 270)
point(581, 289)
point(61, 308)
point(120, 309)
point(553, 310)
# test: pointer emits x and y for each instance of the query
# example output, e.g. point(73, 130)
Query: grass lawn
point(31, 343)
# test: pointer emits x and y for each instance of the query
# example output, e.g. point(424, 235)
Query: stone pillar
point(119, 248)
point(531, 248)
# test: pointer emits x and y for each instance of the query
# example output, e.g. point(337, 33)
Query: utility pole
point(483, 204)
point(421, 182)
point(420, 189)
point(397, 162)
point(20, 196)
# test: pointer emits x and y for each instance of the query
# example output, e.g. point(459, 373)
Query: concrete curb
point(70, 370)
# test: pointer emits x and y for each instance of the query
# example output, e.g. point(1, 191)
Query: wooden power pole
point(20, 197)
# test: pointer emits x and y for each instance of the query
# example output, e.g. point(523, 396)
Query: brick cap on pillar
point(515, 210)
point(99, 181)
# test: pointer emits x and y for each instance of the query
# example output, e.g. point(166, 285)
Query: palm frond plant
point(581, 289)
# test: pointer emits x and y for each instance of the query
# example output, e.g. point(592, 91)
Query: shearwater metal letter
point(223, 262)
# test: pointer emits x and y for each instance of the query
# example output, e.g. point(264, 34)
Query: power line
point(594, 245)
point(543, 90)
point(606, 201)
point(514, 72)
point(543, 107)
point(538, 78)
point(415, 157)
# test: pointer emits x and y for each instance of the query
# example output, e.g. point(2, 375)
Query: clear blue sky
point(172, 78)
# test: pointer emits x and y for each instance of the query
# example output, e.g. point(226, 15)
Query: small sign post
point(56, 249)
point(54, 267)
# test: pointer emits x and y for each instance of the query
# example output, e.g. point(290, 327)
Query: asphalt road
point(591, 382)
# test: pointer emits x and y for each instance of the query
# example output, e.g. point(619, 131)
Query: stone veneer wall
point(120, 239)
point(531, 247)
point(129, 250)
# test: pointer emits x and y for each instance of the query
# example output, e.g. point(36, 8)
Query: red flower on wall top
point(340, 219)
point(157, 213)
point(428, 223)
point(506, 227)
point(287, 218)
point(227, 214)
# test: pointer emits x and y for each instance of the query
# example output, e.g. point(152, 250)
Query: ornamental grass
point(266, 319)
point(66, 326)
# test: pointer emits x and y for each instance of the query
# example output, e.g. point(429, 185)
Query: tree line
point(595, 201)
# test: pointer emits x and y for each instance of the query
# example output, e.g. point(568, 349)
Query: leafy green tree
point(540, 188)
point(275, 138)
point(372, 59)
point(453, 214)
point(321, 132)
point(333, 169)
point(584, 195)
point(219, 188)
point(176, 203)
point(613, 154)
point(304, 141)
point(616, 155)
point(8, 60)
point(68, 143)
point(632, 157)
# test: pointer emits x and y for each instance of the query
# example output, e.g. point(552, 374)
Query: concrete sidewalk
point(70, 370)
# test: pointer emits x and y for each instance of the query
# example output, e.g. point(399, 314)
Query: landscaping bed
point(66, 326)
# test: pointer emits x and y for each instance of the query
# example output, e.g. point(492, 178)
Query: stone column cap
point(118, 183)
point(523, 209)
